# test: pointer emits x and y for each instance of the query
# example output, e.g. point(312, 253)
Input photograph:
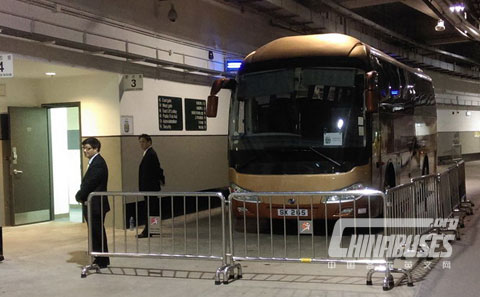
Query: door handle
point(16, 172)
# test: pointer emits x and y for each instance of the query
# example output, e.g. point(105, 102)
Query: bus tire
point(389, 181)
point(425, 166)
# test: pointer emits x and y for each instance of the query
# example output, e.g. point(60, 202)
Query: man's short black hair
point(93, 142)
point(146, 137)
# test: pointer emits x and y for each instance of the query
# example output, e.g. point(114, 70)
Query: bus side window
point(382, 80)
point(241, 117)
point(315, 92)
point(403, 83)
point(394, 80)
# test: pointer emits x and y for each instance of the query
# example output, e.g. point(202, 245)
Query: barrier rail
point(465, 204)
point(200, 235)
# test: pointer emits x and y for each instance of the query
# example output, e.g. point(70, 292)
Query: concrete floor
point(46, 260)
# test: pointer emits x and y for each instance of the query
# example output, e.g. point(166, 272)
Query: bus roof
point(322, 45)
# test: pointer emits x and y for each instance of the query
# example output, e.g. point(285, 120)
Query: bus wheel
point(389, 181)
point(425, 167)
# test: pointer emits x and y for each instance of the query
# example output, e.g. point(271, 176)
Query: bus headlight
point(344, 198)
point(250, 199)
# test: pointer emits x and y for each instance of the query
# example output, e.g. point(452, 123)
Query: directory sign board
point(195, 115)
point(170, 113)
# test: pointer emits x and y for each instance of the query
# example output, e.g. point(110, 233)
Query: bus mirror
point(371, 100)
point(212, 106)
point(372, 95)
point(212, 102)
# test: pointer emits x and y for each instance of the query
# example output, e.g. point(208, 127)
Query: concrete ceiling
point(405, 23)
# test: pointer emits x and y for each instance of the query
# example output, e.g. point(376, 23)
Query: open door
point(29, 165)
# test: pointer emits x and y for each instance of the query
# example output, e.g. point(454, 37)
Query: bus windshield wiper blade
point(325, 156)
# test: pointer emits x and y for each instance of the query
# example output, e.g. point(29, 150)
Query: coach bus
point(325, 112)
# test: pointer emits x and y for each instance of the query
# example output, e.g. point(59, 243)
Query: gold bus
point(325, 113)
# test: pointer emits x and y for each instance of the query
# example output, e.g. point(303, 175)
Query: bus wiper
point(325, 156)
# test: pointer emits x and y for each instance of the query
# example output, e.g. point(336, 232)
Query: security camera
point(172, 14)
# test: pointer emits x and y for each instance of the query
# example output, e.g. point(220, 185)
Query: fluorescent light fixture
point(459, 7)
point(50, 73)
point(233, 65)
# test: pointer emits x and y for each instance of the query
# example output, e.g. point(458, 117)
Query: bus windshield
point(298, 121)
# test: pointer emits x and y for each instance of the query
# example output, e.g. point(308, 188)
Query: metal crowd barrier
point(304, 227)
point(416, 200)
point(452, 195)
point(263, 234)
point(199, 235)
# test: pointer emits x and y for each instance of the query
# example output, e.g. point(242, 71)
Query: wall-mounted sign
point(126, 123)
point(170, 113)
point(6, 65)
point(132, 82)
point(195, 115)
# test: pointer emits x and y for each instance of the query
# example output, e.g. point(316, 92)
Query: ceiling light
point(459, 7)
point(50, 73)
point(440, 26)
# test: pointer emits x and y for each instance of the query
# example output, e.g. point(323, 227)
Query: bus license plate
point(292, 212)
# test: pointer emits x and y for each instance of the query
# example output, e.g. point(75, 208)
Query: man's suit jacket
point(95, 180)
point(150, 173)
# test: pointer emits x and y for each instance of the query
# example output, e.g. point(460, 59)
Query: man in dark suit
point(95, 180)
point(150, 175)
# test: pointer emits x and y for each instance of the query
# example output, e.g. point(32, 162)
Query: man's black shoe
point(103, 265)
point(144, 235)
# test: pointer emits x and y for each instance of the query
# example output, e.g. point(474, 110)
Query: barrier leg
point(89, 267)
point(1, 245)
point(227, 272)
point(388, 280)
point(407, 273)
point(460, 214)
point(467, 207)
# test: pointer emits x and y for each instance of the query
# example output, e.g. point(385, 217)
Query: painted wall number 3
point(134, 83)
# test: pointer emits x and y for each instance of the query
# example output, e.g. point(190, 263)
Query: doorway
point(65, 151)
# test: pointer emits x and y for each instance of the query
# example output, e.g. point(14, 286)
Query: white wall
point(456, 120)
point(20, 92)
point(143, 106)
point(98, 94)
